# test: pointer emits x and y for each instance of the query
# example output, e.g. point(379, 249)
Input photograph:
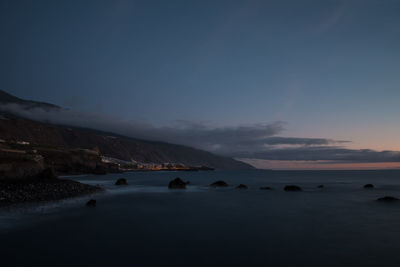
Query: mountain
point(16, 128)
point(6, 98)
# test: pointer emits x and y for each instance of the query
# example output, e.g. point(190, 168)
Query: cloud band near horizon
point(258, 141)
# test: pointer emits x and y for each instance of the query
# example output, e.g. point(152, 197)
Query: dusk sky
point(288, 84)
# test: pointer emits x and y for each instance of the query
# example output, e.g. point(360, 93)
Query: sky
point(281, 84)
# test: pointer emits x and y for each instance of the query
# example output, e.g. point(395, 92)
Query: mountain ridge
point(6, 98)
point(14, 127)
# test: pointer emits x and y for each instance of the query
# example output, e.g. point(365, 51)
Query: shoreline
point(81, 174)
point(48, 187)
point(31, 191)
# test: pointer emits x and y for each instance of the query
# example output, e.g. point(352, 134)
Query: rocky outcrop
point(177, 183)
point(219, 184)
point(292, 188)
point(28, 161)
point(265, 188)
point(121, 181)
point(387, 199)
point(76, 161)
point(204, 168)
point(16, 164)
point(368, 186)
point(241, 186)
point(91, 203)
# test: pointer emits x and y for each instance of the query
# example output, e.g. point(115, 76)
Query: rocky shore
point(41, 189)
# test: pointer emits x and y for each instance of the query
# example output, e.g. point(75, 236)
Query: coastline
point(46, 186)
point(28, 191)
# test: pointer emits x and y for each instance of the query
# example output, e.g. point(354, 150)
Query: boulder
point(177, 183)
point(205, 168)
point(387, 199)
point(292, 188)
point(47, 174)
point(320, 186)
point(265, 188)
point(219, 184)
point(241, 186)
point(121, 181)
point(368, 186)
point(91, 203)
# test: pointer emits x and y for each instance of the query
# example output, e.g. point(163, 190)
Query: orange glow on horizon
point(319, 165)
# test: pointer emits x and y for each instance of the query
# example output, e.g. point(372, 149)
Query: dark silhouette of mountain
point(6, 98)
point(16, 128)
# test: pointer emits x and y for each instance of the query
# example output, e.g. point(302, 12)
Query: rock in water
point(91, 203)
point(219, 184)
point(292, 188)
point(387, 199)
point(369, 186)
point(265, 188)
point(241, 186)
point(320, 186)
point(121, 181)
point(177, 183)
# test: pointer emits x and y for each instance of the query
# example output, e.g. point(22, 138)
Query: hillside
point(16, 128)
point(6, 98)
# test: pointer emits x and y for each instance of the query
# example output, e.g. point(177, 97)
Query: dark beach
point(43, 186)
point(28, 191)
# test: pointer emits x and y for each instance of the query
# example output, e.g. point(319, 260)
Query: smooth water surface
point(145, 224)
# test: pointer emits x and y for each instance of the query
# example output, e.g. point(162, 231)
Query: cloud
point(300, 141)
point(331, 154)
point(257, 141)
point(199, 135)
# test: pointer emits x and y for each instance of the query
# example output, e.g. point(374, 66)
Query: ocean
point(146, 224)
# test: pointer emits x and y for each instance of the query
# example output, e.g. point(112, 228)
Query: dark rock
point(91, 203)
point(320, 186)
point(47, 174)
point(219, 184)
point(195, 169)
point(369, 186)
point(205, 168)
point(265, 188)
point(19, 165)
point(75, 161)
point(292, 188)
point(177, 183)
point(387, 199)
point(241, 186)
point(121, 181)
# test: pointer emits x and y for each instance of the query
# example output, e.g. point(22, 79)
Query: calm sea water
point(145, 224)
